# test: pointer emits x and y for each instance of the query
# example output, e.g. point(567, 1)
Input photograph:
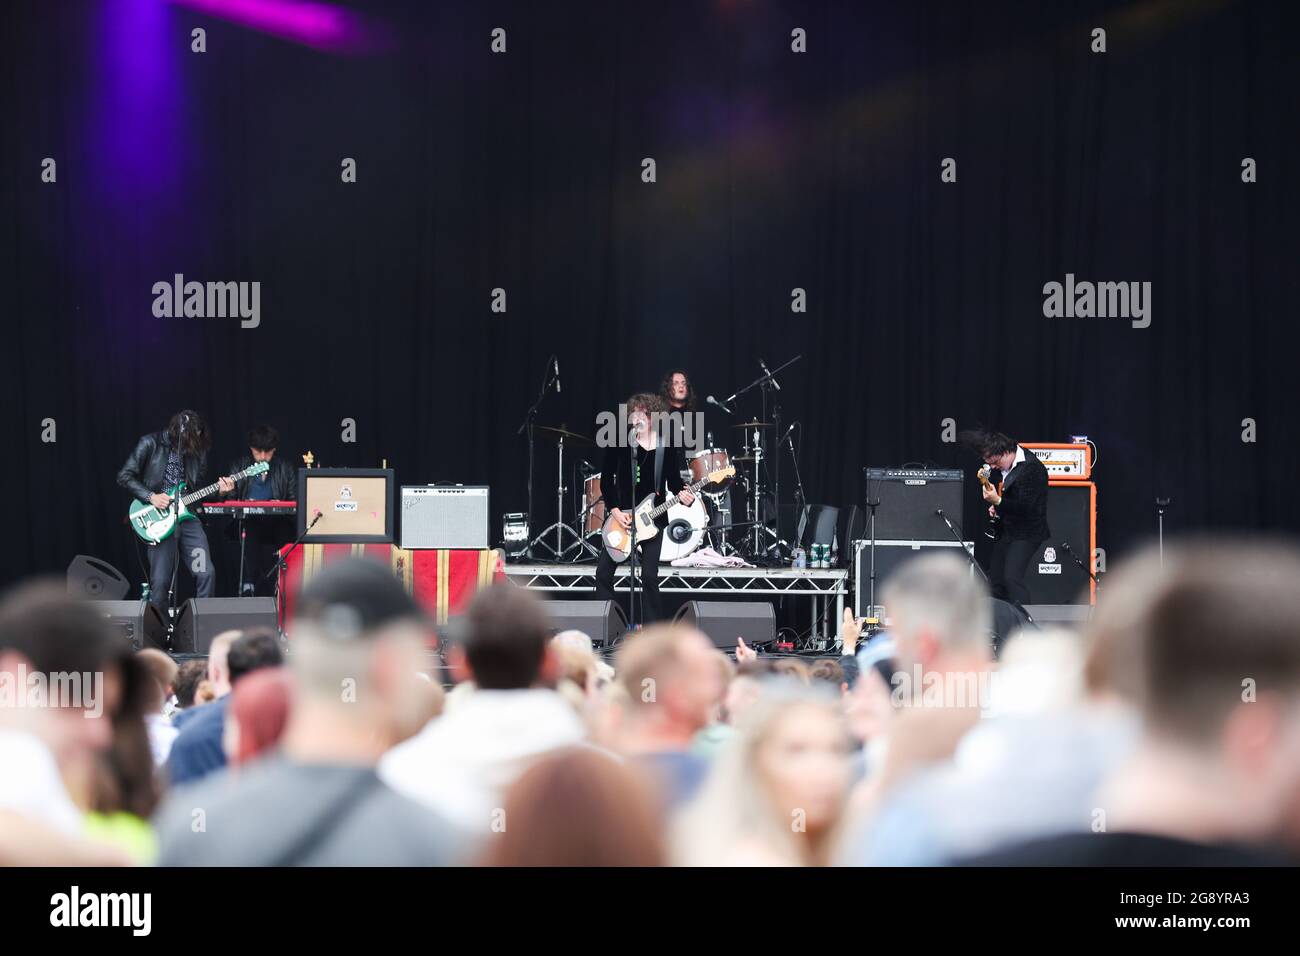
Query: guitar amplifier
point(1054, 577)
point(909, 498)
point(445, 516)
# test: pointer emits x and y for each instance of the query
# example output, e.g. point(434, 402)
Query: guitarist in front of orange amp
point(1017, 510)
point(623, 490)
point(161, 464)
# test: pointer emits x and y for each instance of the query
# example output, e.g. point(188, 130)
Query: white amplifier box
point(445, 516)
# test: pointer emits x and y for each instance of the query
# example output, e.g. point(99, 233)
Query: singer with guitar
point(152, 473)
point(1017, 510)
point(623, 487)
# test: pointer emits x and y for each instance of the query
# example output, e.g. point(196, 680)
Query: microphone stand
point(631, 574)
point(1161, 505)
point(800, 499)
point(970, 556)
point(1082, 567)
point(530, 418)
point(281, 565)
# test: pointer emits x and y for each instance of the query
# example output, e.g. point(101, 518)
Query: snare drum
point(710, 459)
point(594, 518)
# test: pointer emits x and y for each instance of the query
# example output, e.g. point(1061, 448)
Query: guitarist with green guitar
point(161, 473)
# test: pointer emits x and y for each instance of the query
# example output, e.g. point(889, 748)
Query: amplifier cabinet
point(889, 555)
point(445, 516)
point(909, 501)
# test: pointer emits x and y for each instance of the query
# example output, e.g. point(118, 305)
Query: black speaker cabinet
point(909, 498)
point(138, 622)
point(724, 621)
point(202, 619)
point(602, 621)
point(1054, 577)
point(95, 579)
point(890, 555)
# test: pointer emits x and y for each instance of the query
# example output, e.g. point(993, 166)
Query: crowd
point(1166, 732)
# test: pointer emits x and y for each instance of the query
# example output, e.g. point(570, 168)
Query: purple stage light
point(321, 26)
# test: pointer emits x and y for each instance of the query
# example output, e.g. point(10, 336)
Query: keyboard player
point(263, 534)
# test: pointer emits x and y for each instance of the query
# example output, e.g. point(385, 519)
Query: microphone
point(775, 384)
point(939, 512)
point(556, 362)
point(793, 426)
point(713, 401)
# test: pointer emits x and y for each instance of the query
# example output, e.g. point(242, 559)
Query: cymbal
point(754, 424)
point(747, 458)
point(552, 433)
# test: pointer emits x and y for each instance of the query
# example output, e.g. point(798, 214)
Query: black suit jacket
point(1024, 502)
point(143, 472)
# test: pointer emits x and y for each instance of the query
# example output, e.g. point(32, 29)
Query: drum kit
point(706, 520)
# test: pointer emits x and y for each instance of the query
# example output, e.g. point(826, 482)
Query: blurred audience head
point(778, 790)
point(188, 678)
point(259, 711)
point(44, 631)
point(164, 672)
point(218, 674)
point(507, 642)
point(578, 807)
point(939, 614)
point(357, 639)
point(673, 684)
point(253, 650)
point(1217, 638)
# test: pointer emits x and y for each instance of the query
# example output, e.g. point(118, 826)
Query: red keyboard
point(242, 509)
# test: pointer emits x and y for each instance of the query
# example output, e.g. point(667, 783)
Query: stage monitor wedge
point(348, 505)
point(202, 619)
point(724, 621)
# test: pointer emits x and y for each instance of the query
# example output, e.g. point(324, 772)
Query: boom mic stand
point(530, 418)
point(970, 552)
point(1065, 545)
point(281, 565)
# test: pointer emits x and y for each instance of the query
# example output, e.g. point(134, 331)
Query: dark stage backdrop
point(776, 170)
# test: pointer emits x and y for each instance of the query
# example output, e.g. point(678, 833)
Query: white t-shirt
point(30, 784)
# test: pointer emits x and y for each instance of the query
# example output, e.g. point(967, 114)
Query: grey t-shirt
point(278, 812)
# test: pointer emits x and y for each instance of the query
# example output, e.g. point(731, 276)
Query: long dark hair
point(196, 440)
point(665, 390)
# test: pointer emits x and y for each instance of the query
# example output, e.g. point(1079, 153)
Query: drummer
point(677, 392)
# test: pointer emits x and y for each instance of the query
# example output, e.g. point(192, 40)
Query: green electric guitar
point(156, 524)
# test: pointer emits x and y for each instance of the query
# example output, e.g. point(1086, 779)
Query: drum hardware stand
point(801, 501)
point(717, 534)
point(559, 527)
point(530, 419)
point(755, 512)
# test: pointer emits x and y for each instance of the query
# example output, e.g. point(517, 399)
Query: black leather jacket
point(146, 466)
point(282, 475)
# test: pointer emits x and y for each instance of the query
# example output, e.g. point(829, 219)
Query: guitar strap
point(659, 463)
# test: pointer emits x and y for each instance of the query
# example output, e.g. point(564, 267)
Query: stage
point(820, 585)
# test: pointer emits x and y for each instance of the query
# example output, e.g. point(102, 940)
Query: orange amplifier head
point(1065, 461)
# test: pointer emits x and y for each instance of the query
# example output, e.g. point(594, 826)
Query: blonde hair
point(734, 807)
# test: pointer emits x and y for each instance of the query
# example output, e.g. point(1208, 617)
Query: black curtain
point(775, 170)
